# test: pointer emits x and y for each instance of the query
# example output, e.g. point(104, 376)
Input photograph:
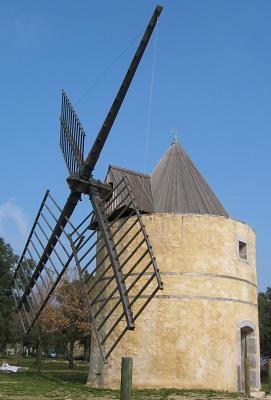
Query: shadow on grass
point(66, 377)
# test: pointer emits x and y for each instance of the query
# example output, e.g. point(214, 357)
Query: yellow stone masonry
point(189, 334)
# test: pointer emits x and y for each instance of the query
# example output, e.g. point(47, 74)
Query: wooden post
point(269, 375)
point(126, 378)
point(38, 356)
point(247, 376)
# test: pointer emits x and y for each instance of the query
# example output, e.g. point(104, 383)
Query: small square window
point(243, 250)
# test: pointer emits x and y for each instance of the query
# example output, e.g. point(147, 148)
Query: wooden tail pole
point(247, 376)
point(126, 378)
point(269, 375)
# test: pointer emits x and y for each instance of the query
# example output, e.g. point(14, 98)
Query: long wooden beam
point(94, 153)
point(97, 147)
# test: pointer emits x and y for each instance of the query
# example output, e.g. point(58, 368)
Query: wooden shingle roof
point(178, 187)
point(175, 186)
point(139, 183)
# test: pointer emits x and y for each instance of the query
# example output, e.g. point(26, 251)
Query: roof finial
point(175, 137)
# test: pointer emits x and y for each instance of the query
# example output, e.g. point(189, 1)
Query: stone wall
point(189, 335)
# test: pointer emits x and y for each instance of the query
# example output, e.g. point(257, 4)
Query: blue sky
point(212, 82)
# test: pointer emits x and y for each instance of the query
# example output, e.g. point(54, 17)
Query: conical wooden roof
point(178, 187)
point(175, 186)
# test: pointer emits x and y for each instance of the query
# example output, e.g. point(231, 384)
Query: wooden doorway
point(248, 348)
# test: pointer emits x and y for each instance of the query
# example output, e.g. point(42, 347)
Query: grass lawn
point(57, 382)
point(54, 382)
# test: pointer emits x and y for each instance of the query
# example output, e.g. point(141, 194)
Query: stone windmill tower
point(196, 332)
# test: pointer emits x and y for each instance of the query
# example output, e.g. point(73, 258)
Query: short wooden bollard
point(247, 376)
point(269, 375)
point(126, 378)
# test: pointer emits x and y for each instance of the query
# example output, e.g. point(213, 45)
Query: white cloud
point(13, 224)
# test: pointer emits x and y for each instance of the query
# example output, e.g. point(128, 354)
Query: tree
point(7, 263)
point(264, 304)
point(72, 315)
point(67, 316)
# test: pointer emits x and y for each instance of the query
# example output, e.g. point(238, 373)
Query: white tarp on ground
point(8, 368)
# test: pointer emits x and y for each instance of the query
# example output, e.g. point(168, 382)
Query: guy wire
point(149, 113)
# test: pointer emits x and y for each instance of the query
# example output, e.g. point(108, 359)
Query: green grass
point(57, 382)
point(265, 388)
point(197, 394)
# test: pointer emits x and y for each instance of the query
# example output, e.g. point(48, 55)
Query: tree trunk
point(38, 359)
point(87, 343)
point(20, 352)
point(70, 354)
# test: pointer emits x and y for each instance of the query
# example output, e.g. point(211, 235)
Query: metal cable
point(149, 115)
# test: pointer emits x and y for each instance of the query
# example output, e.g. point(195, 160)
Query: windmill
point(118, 283)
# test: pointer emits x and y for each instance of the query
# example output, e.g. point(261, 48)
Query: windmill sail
point(84, 180)
point(72, 137)
point(116, 294)
point(34, 280)
point(118, 282)
point(112, 233)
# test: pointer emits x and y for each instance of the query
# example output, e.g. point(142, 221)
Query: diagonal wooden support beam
point(98, 206)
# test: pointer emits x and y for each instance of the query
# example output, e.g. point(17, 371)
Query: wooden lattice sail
point(99, 244)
